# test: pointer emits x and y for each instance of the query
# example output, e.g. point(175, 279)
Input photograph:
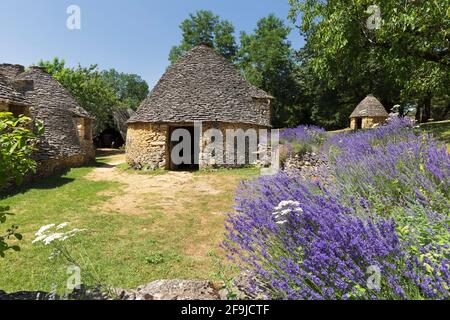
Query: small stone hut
point(67, 140)
point(202, 86)
point(368, 113)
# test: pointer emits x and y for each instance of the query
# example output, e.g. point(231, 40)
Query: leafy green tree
point(17, 143)
point(409, 41)
point(328, 105)
point(130, 89)
point(266, 60)
point(204, 27)
point(88, 87)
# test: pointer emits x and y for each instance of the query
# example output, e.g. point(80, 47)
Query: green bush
point(17, 143)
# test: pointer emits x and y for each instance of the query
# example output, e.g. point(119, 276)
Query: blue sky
point(133, 36)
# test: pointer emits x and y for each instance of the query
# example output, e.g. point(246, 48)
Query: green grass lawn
point(161, 240)
point(440, 129)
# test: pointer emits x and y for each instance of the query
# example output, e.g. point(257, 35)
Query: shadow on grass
point(55, 181)
point(441, 130)
point(58, 179)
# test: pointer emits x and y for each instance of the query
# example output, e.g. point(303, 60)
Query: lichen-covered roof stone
point(369, 107)
point(8, 93)
point(48, 92)
point(56, 108)
point(203, 86)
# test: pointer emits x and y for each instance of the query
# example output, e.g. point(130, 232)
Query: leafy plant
point(10, 233)
point(155, 258)
point(17, 143)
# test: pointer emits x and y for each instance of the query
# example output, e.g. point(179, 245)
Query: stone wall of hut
point(50, 167)
point(367, 122)
point(85, 129)
point(148, 145)
point(207, 160)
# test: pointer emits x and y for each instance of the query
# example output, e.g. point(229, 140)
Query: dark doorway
point(358, 123)
point(190, 165)
point(109, 138)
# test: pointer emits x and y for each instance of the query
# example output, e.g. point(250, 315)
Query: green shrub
point(17, 143)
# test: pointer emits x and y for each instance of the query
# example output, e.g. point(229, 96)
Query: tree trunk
point(424, 109)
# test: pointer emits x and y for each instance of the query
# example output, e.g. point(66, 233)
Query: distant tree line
point(99, 92)
point(402, 60)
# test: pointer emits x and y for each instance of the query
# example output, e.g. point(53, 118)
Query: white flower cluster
point(284, 209)
point(48, 237)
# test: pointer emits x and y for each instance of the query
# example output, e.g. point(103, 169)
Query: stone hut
point(368, 113)
point(67, 141)
point(202, 86)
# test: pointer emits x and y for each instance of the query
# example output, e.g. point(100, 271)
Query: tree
point(204, 27)
point(328, 105)
point(88, 88)
point(100, 93)
point(266, 60)
point(130, 89)
point(408, 41)
point(17, 143)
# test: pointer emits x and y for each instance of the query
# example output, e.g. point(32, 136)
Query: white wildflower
point(284, 209)
point(285, 212)
point(55, 254)
point(39, 238)
point(48, 238)
point(52, 237)
point(62, 225)
point(44, 228)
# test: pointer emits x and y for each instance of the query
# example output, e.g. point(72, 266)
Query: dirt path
point(137, 188)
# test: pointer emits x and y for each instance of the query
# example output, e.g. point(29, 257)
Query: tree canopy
point(130, 89)
point(405, 41)
point(99, 92)
point(266, 59)
point(204, 27)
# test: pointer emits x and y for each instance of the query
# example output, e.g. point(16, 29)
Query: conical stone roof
point(369, 107)
point(56, 108)
point(53, 105)
point(203, 86)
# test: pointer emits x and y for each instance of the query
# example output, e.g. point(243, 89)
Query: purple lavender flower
point(317, 240)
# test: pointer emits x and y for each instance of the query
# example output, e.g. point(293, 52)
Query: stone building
point(202, 86)
point(368, 113)
point(67, 141)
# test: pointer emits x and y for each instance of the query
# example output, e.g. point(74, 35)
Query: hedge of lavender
point(302, 139)
point(376, 227)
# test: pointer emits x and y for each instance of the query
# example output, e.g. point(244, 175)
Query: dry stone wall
point(367, 122)
point(147, 145)
point(206, 158)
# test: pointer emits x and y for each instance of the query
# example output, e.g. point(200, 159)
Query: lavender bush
point(384, 208)
point(302, 139)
